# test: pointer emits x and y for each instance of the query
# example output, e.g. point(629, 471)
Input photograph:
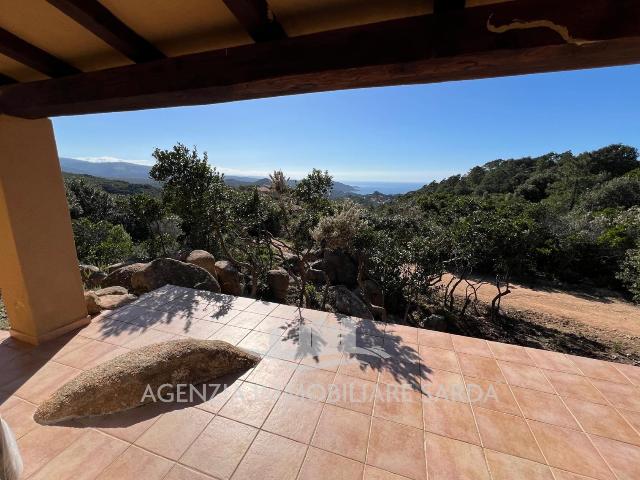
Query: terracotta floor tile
point(247, 320)
point(552, 361)
point(632, 417)
point(631, 372)
point(508, 467)
point(250, 404)
point(128, 425)
point(507, 434)
point(599, 369)
point(178, 472)
point(352, 393)
point(91, 354)
point(230, 334)
point(401, 333)
point(261, 307)
point(175, 323)
point(471, 346)
point(137, 463)
point(574, 386)
point(46, 381)
point(450, 419)
point(294, 417)
point(56, 348)
point(564, 475)
point(273, 325)
point(480, 367)
point(623, 458)
point(316, 317)
point(310, 382)
point(570, 450)
point(491, 395)
point(525, 376)
point(439, 358)
point(389, 438)
point(84, 459)
point(221, 391)
point(286, 349)
point(544, 407)
point(339, 321)
point(271, 458)
point(149, 337)
point(221, 315)
point(172, 433)
point(403, 371)
point(450, 459)
point(19, 416)
point(373, 473)
point(43, 444)
point(287, 312)
point(602, 420)
point(342, 431)
point(272, 372)
point(328, 359)
point(621, 396)
point(443, 384)
point(321, 465)
point(510, 353)
point(433, 338)
point(220, 447)
point(202, 329)
point(366, 367)
point(398, 404)
point(258, 342)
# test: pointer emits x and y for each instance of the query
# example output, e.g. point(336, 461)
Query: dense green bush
point(101, 243)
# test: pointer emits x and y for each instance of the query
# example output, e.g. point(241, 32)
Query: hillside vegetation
point(418, 258)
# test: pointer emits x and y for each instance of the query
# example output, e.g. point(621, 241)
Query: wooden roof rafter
point(21, 51)
point(96, 18)
point(257, 19)
point(492, 40)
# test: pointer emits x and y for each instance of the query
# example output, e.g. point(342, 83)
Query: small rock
point(92, 301)
point(111, 291)
point(435, 322)
point(111, 302)
point(203, 259)
point(278, 281)
point(315, 276)
point(229, 277)
point(347, 302)
point(167, 271)
point(122, 276)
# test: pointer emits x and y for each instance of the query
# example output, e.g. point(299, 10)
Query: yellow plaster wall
point(39, 276)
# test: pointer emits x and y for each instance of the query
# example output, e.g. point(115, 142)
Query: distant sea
point(390, 188)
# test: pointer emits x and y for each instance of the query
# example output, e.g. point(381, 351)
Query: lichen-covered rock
point(347, 302)
point(373, 293)
point(92, 301)
point(278, 281)
point(91, 275)
point(229, 277)
point(111, 291)
point(203, 259)
point(111, 302)
point(122, 276)
point(121, 383)
point(167, 271)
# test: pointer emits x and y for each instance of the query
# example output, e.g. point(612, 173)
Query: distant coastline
point(388, 188)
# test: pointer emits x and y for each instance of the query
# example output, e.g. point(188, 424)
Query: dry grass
point(4, 322)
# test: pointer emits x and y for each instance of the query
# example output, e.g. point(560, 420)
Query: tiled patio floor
point(332, 398)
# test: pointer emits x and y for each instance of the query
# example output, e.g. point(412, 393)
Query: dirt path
point(598, 310)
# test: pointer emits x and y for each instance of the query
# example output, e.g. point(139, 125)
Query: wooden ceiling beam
point(441, 6)
point(6, 79)
point(511, 38)
point(96, 18)
point(257, 19)
point(32, 56)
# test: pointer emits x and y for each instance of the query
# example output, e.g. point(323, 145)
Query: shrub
point(101, 243)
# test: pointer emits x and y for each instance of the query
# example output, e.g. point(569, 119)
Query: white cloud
point(107, 159)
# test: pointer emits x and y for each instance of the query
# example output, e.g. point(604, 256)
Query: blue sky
point(402, 134)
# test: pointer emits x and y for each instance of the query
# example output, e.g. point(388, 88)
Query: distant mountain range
point(135, 173)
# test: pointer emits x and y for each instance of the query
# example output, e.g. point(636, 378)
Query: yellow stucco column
point(39, 276)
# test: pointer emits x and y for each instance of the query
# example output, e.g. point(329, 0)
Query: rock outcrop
point(203, 259)
point(167, 271)
point(128, 380)
point(122, 276)
point(91, 275)
point(347, 302)
point(340, 268)
point(108, 298)
point(278, 282)
point(229, 277)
